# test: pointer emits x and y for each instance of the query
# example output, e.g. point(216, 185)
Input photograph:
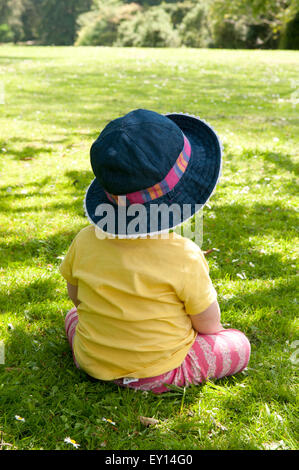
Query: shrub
point(178, 11)
point(228, 34)
point(290, 34)
point(242, 34)
point(151, 28)
point(100, 31)
point(194, 29)
point(99, 28)
point(6, 34)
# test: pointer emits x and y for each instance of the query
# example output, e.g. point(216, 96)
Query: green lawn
point(57, 100)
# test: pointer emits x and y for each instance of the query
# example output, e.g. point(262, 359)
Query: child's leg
point(71, 320)
point(218, 355)
point(211, 356)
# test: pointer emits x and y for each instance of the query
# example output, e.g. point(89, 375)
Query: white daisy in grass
point(109, 421)
point(18, 418)
point(241, 275)
point(68, 440)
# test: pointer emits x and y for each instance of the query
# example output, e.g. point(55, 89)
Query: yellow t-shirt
point(135, 297)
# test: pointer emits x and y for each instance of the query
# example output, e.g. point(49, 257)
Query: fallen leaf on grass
point(148, 421)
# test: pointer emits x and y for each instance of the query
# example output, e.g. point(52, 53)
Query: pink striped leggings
point(210, 357)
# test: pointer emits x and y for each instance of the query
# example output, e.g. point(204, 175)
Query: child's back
point(135, 297)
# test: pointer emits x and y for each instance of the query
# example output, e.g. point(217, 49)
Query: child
point(146, 313)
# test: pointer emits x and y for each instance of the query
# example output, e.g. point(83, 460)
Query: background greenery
point(56, 101)
point(246, 24)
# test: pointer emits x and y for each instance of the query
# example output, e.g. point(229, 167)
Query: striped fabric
point(70, 323)
point(211, 357)
point(159, 189)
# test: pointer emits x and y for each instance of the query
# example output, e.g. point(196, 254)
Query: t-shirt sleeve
point(67, 266)
point(198, 293)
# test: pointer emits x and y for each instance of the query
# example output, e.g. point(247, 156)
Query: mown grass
point(57, 100)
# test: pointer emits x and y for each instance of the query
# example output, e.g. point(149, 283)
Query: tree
point(149, 28)
point(30, 18)
point(11, 19)
point(194, 29)
point(4, 11)
point(257, 22)
point(99, 27)
point(58, 20)
point(6, 33)
point(146, 3)
point(290, 34)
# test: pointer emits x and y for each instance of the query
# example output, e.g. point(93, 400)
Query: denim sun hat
point(146, 162)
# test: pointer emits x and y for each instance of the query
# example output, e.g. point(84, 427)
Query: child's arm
point(73, 293)
point(207, 322)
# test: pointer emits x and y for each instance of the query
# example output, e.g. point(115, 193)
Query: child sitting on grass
point(146, 313)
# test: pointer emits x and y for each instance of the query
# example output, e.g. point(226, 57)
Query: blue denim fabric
point(138, 150)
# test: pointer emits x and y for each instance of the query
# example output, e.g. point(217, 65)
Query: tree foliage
point(48, 21)
point(194, 28)
point(58, 20)
point(290, 36)
point(191, 23)
point(150, 28)
point(254, 23)
point(99, 27)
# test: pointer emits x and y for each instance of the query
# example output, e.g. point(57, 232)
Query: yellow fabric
point(135, 297)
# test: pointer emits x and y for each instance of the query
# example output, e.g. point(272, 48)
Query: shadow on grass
point(79, 180)
point(248, 311)
point(36, 294)
point(281, 160)
point(237, 222)
point(28, 152)
point(29, 251)
point(72, 208)
point(43, 355)
point(23, 58)
point(39, 184)
point(42, 384)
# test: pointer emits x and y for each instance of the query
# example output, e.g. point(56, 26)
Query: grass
point(57, 100)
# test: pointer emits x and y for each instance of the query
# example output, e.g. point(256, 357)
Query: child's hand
point(207, 322)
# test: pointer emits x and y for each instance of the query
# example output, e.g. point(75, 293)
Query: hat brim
point(194, 188)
